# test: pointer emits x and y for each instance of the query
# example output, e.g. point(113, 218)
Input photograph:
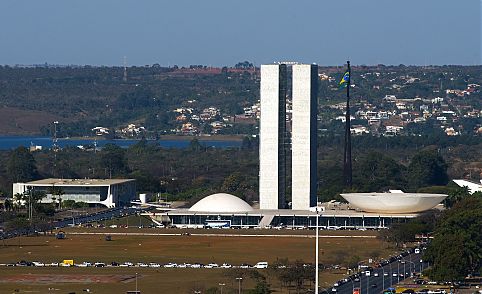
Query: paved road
point(376, 284)
point(98, 216)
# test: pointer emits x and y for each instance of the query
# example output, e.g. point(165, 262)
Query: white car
point(375, 274)
point(81, 265)
point(261, 264)
point(170, 265)
point(155, 265)
point(37, 263)
point(226, 265)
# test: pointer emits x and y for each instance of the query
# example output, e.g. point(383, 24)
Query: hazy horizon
point(221, 33)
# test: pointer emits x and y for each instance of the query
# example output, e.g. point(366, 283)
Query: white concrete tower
point(272, 154)
point(303, 136)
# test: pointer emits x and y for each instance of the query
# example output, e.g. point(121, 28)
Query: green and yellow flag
point(344, 80)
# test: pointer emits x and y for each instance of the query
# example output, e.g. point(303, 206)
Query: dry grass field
point(16, 121)
point(164, 249)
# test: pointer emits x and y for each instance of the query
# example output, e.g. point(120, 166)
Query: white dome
point(394, 202)
point(221, 202)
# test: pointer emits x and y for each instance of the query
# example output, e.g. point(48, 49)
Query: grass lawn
point(163, 249)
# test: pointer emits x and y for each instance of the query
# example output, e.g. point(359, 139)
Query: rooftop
point(79, 182)
point(290, 212)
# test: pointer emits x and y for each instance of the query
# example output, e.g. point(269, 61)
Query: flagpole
point(347, 166)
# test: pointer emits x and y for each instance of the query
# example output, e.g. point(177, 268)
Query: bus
point(217, 224)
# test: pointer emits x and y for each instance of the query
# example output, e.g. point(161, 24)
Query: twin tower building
point(275, 142)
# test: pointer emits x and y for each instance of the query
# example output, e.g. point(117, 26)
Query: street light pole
point(383, 279)
point(316, 253)
point(398, 272)
point(222, 284)
point(239, 284)
point(352, 285)
point(410, 268)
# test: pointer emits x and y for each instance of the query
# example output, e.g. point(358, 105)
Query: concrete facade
point(303, 136)
point(272, 154)
point(108, 192)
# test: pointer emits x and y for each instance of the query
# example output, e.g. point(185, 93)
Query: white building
point(108, 192)
point(272, 163)
point(303, 138)
point(393, 202)
point(473, 187)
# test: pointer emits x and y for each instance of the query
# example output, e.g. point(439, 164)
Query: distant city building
point(272, 154)
point(108, 192)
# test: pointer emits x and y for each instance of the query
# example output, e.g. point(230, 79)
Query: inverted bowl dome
point(394, 202)
point(221, 202)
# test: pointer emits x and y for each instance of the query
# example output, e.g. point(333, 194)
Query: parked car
point(261, 264)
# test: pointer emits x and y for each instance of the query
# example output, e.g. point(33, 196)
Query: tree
point(427, 168)
point(145, 182)
point(232, 183)
point(352, 261)
point(56, 191)
point(18, 199)
point(8, 205)
point(17, 223)
point(113, 158)
point(375, 172)
point(21, 165)
point(195, 145)
point(294, 273)
point(262, 287)
point(33, 197)
point(247, 143)
point(456, 248)
point(455, 195)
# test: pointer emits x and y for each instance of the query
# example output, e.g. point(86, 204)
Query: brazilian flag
point(344, 80)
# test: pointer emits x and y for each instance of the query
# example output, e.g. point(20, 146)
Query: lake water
point(7, 143)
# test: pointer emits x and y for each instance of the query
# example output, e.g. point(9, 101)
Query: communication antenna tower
point(125, 69)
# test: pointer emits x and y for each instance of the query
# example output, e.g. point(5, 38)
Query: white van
point(417, 250)
point(261, 264)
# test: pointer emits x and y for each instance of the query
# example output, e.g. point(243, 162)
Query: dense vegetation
point(197, 171)
point(455, 252)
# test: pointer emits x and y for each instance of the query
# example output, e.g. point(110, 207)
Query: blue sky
point(223, 32)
